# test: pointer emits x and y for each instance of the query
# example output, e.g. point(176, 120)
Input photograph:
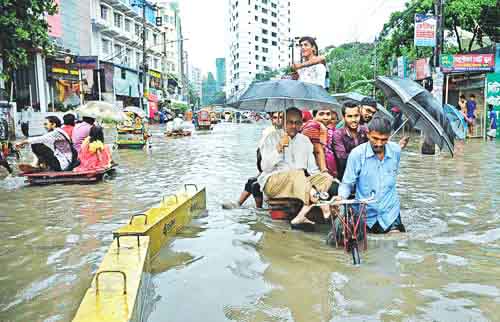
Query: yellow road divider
point(118, 290)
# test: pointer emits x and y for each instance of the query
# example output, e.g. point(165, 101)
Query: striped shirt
point(58, 141)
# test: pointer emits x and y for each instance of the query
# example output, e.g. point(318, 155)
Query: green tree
point(480, 17)
point(23, 27)
point(351, 67)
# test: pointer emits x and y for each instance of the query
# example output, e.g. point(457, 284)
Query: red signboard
point(422, 68)
point(55, 25)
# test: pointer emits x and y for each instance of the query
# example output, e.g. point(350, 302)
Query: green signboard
point(493, 96)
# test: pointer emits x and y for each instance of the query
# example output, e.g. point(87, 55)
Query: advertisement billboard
point(425, 30)
point(468, 63)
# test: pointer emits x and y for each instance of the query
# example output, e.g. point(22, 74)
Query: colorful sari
point(93, 156)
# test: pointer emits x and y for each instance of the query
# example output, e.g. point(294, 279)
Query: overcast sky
point(332, 22)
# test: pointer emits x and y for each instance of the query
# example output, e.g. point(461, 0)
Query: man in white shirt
point(252, 186)
point(289, 169)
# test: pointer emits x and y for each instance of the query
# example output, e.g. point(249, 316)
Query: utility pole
point(438, 49)
point(375, 68)
point(144, 55)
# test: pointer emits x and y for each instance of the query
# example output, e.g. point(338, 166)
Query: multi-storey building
point(195, 78)
point(174, 66)
point(258, 34)
point(220, 64)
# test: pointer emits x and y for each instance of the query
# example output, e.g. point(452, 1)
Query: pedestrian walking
point(492, 128)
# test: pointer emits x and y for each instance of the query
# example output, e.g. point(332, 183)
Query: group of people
point(68, 146)
point(307, 158)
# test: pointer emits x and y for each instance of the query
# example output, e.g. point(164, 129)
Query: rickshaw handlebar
point(332, 202)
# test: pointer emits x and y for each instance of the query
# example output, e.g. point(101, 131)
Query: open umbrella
point(357, 97)
point(279, 95)
point(134, 109)
point(422, 110)
point(103, 111)
point(457, 121)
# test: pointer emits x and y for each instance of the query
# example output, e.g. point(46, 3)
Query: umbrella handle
point(399, 128)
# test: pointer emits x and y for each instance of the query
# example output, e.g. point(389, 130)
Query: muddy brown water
point(238, 265)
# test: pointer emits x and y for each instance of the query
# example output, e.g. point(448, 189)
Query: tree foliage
point(475, 16)
point(23, 28)
point(351, 67)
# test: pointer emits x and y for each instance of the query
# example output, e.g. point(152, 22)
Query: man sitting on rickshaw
point(289, 169)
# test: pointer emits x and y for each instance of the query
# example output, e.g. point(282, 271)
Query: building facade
point(258, 33)
point(195, 79)
point(209, 89)
point(173, 50)
point(220, 65)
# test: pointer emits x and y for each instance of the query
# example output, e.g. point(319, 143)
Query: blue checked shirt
point(374, 176)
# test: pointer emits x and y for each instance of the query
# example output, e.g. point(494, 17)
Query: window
point(264, 21)
point(273, 5)
point(267, 68)
point(105, 46)
point(265, 41)
point(155, 39)
point(265, 50)
point(123, 73)
point(257, 67)
point(104, 12)
point(127, 25)
point(256, 47)
point(263, 58)
point(137, 30)
point(137, 59)
point(264, 10)
point(256, 57)
point(264, 1)
point(256, 7)
point(274, 24)
point(118, 52)
point(128, 54)
point(256, 38)
point(147, 35)
point(118, 20)
point(156, 63)
point(274, 43)
point(264, 31)
point(274, 14)
point(274, 34)
point(256, 18)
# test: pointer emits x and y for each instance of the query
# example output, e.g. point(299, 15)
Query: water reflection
point(238, 264)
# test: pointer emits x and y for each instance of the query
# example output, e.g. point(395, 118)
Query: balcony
point(111, 2)
point(122, 35)
point(111, 31)
point(123, 5)
point(100, 23)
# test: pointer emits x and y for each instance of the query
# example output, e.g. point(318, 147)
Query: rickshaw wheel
point(331, 239)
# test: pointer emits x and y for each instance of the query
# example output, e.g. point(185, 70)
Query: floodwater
point(238, 265)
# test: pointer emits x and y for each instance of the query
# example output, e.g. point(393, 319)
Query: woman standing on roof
point(313, 68)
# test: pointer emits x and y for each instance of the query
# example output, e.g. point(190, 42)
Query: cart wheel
point(330, 239)
point(355, 254)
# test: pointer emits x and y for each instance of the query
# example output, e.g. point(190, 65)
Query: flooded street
point(238, 265)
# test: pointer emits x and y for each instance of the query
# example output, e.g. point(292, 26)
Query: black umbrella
point(422, 110)
point(279, 95)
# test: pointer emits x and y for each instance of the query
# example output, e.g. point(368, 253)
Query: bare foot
point(297, 221)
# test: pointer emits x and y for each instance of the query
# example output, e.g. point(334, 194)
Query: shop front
point(126, 86)
point(64, 85)
point(466, 74)
point(154, 94)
